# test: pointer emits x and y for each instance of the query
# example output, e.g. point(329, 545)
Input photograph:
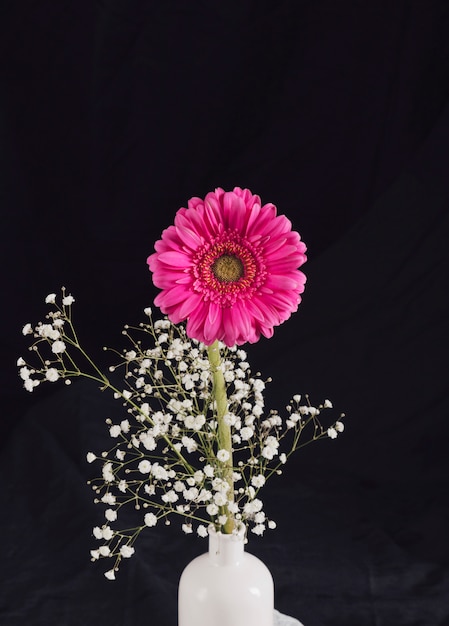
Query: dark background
point(112, 115)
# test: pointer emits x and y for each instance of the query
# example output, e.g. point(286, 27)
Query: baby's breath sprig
point(196, 444)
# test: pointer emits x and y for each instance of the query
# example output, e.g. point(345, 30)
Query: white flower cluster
point(165, 459)
point(57, 364)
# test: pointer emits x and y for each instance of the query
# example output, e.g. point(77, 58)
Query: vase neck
point(226, 549)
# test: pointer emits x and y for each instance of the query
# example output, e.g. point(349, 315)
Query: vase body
point(226, 587)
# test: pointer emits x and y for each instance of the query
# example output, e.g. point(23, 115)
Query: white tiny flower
point(223, 456)
point(150, 519)
point(47, 331)
point(327, 404)
point(149, 442)
point(110, 575)
point(115, 430)
point(271, 524)
point(97, 532)
point(204, 495)
point(253, 507)
point(58, 347)
point(189, 443)
point(189, 421)
point(200, 420)
point(283, 458)
point(258, 481)
point(68, 300)
point(124, 425)
point(107, 532)
point(332, 433)
point(95, 554)
point(108, 498)
point(104, 550)
point(24, 373)
point(20, 362)
point(230, 419)
point(90, 456)
point(108, 474)
point(198, 476)
point(246, 433)
point(162, 338)
point(110, 515)
point(159, 472)
point(58, 322)
point(272, 442)
point(147, 311)
point(126, 551)
point(220, 499)
point(212, 509)
point(220, 485)
point(50, 299)
point(52, 374)
point(187, 528)
point(233, 507)
point(258, 530)
point(208, 470)
point(27, 329)
point(202, 531)
point(170, 496)
point(339, 426)
point(190, 494)
point(268, 453)
point(123, 485)
point(258, 385)
point(144, 467)
point(222, 519)
point(229, 376)
point(145, 408)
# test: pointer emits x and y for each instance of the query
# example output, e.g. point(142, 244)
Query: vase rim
point(238, 534)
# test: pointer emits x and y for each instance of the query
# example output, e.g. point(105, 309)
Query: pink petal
point(173, 296)
point(234, 212)
point(188, 305)
point(175, 258)
point(212, 323)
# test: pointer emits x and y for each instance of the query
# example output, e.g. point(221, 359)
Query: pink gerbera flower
point(229, 266)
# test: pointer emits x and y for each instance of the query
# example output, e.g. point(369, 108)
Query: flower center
point(228, 268)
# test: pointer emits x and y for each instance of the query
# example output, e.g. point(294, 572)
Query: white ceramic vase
point(226, 586)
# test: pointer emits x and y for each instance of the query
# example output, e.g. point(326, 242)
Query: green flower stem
point(224, 430)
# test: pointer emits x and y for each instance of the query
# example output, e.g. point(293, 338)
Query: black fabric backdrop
point(113, 114)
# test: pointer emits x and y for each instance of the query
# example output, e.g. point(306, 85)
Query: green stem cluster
point(224, 430)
